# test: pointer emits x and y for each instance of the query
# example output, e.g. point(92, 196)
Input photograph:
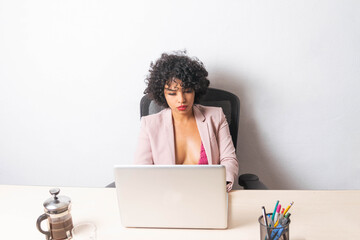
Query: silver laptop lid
point(172, 196)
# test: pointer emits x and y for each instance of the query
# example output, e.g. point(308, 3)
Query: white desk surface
point(315, 214)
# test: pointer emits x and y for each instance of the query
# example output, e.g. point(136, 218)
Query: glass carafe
point(57, 213)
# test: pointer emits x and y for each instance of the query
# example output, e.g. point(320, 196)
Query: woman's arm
point(143, 154)
point(227, 151)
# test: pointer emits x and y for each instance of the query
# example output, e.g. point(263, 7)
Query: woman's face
point(179, 99)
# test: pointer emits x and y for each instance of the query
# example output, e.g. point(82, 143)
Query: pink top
point(203, 157)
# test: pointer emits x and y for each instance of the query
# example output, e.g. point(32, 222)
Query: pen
point(287, 209)
point(277, 213)
point(281, 216)
point(265, 222)
point(273, 214)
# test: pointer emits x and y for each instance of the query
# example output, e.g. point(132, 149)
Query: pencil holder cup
point(280, 232)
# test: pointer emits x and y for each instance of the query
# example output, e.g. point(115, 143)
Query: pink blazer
point(156, 139)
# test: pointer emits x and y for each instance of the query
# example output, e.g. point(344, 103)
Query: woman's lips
point(182, 108)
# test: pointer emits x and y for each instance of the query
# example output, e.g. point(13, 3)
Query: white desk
point(315, 214)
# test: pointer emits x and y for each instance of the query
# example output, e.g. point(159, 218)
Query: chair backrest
point(229, 102)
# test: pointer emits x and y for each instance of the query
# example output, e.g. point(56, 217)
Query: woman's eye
point(172, 94)
point(188, 91)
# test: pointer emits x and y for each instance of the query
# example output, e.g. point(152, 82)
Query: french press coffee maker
point(57, 213)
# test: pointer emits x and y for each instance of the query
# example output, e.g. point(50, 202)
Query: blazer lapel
point(170, 134)
point(203, 131)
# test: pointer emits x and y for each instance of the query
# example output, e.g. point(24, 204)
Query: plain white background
point(72, 74)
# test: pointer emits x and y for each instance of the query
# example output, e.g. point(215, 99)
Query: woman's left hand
point(228, 186)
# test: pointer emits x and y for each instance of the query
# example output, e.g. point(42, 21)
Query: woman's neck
point(182, 118)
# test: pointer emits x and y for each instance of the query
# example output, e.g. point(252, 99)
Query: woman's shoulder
point(156, 118)
point(209, 110)
point(209, 113)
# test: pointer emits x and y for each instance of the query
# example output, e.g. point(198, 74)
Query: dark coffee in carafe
point(61, 229)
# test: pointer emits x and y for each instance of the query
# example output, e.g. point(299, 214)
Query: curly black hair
point(190, 71)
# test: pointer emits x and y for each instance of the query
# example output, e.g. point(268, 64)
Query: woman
point(184, 132)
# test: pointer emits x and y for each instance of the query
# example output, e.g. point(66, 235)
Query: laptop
point(172, 196)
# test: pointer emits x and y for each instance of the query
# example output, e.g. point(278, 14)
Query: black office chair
point(230, 104)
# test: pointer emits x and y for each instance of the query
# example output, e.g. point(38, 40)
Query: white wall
point(72, 74)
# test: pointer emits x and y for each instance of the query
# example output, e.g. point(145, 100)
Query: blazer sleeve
point(227, 150)
point(143, 154)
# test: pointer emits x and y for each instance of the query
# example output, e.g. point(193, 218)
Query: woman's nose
point(181, 97)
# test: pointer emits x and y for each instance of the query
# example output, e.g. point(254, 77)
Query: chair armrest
point(251, 181)
point(111, 185)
